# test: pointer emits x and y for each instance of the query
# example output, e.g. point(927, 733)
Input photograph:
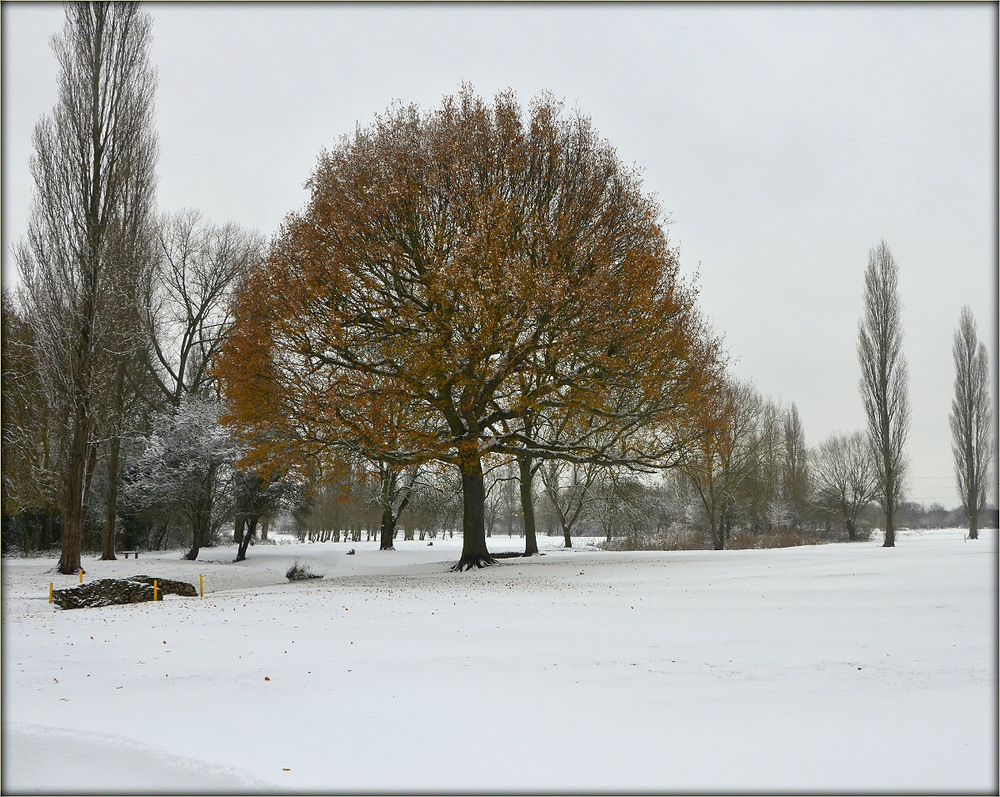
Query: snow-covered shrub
point(183, 476)
point(299, 572)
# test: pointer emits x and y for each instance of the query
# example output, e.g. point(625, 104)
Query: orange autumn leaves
point(456, 272)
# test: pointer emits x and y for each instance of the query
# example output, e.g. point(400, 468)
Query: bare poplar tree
point(795, 474)
point(970, 419)
point(94, 186)
point(884, 389)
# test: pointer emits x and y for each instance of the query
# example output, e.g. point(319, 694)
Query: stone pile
point(109, 591)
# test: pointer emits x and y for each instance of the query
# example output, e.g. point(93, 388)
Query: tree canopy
point(455, 273)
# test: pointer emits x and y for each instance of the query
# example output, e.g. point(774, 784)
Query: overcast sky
point(782, 141)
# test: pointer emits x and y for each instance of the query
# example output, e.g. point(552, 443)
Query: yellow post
point(201, 584)
point(154, 590)
point(81, 575)
point(50, 592)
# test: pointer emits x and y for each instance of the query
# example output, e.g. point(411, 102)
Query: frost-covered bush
point(184, 473)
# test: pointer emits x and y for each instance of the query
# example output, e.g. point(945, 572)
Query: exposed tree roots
point(475, 561)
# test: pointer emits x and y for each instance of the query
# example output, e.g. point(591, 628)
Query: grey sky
point(783, 141)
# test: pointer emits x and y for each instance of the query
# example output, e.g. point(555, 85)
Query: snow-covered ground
point(814, 669)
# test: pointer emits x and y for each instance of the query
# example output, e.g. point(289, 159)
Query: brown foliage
point(456, 272)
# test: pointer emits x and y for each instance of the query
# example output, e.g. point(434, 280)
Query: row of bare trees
point(884, 393)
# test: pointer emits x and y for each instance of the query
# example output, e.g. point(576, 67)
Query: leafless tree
point(970, 419)
point(763, 500)
point(94, 190)
point(569, 486)
point(844, 476)
point(884, 388)
point(795, 473)
point(188, 296)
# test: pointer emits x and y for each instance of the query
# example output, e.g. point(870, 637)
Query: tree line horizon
point(477, 286)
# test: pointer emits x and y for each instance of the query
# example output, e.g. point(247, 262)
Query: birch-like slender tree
point(884, 387)
point(94, 193)
point(971, 420)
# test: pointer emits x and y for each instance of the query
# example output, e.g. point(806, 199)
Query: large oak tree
point(474, 265)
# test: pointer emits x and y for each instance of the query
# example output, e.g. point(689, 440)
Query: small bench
point(126, 554)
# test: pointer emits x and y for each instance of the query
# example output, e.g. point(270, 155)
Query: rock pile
point(109, 591)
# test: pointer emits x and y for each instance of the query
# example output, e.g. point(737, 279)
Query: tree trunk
point(890, 516)
point(719, 532)
point(251, 529)
point(388, 528)
point(238, 527)
point(72, 531)
point(567, 539)
point(111, 511)
point(474, 551)
point(890, 530)
point(852, 531)
point(90, 470)
point(192, 554)
point(199, 529)
point(527, 506)
point(201, 522)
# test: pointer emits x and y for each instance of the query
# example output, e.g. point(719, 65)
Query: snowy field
point(829, 668)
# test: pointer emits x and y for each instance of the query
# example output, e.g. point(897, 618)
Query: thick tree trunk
point(111, 509)
point(974, 528)
point(852, 531)
point(890, 531)
point(192, 553)
point(200, 533)
point(890, 526)
point(72, 531)
point(474, 551)
point(567, 539)
point(388, 529)
point(238, 527)
point(527, 506)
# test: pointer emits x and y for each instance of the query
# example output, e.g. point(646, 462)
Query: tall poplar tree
point(970, 419)
point(883, 385)
point(89, 227)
